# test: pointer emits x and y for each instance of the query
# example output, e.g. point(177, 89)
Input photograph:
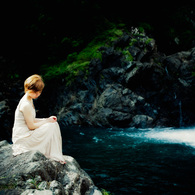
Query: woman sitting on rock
point(31, 133)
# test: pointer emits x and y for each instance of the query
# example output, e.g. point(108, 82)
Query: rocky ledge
point(33, 173)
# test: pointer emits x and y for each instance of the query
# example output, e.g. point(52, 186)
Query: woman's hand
point(52, 119)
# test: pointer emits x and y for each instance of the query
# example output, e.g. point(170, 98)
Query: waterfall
point(166, 70)
point(180, 114)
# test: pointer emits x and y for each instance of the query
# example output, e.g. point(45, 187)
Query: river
point(135, 161)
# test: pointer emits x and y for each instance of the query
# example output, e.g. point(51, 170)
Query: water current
point(135, 161)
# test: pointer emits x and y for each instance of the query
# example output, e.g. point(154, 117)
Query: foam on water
point(181, 136)
point(169, 135)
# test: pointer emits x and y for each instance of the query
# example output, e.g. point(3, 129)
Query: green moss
point(105, 192)
point(127, 55)
point(74, 64)
point(78, 62)
point(110, 35)
point(90, 52)
point(148, 41)
point(74, 69)
point(132, 42)
point(114, 34)
point(71, 70)
point(34, 183)
point(141, 29)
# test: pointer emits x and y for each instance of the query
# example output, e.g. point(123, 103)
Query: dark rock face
point(152, 90)
point(33, 173)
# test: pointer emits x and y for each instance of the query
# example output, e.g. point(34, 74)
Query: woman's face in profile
point(34, 95)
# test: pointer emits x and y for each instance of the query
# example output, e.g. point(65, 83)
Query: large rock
point(116, 106)
point(152, 90)
point(33, 173)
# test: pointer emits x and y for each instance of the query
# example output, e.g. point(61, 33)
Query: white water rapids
point(167, 135)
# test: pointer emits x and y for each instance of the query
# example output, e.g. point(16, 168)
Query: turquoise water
point(135, 161)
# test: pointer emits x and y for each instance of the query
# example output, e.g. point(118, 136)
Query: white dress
point(46, 139)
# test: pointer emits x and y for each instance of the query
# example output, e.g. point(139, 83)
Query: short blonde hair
point(34, 83)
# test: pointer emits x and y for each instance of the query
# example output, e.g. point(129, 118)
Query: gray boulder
point(116, 106)
point(33, 173)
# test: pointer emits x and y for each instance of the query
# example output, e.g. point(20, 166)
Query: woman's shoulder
point(24, 104)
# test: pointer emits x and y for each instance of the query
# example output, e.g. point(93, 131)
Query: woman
point(31, 133)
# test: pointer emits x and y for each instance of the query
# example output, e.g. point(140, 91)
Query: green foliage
point(114, 34)
point(77, 63)
point(147, 41)
point(105, 192)
point(71, 70)
point(141, 29)
point(128, 56)
point(35, 184)
point(74, 64)
point(139, 38)
point(90, 52)
point(132, 42)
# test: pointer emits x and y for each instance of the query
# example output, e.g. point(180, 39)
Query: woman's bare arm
point(36, 120)
point(31, 122)
point(42, 119)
